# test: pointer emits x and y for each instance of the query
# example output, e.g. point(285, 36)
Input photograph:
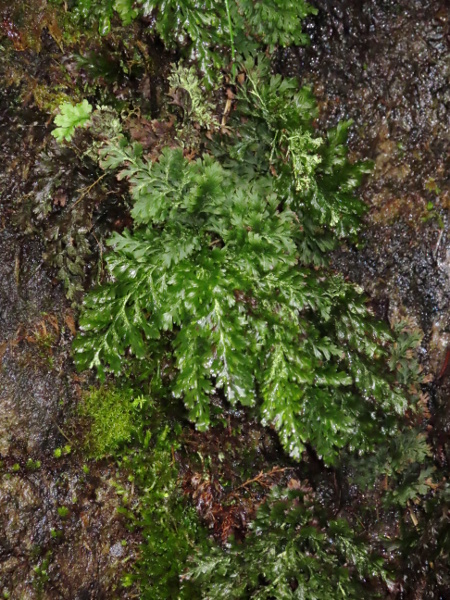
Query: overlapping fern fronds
point(215, 270)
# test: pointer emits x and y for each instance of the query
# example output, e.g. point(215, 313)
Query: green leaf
point(290, 542)
point(70, 117)
point(213, 275)
point(284, 397)
point(126, 11)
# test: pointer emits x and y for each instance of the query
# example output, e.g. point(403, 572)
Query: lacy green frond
point(198, 110)
point(213, 271)
point(292, 552)
point(274, 120)
point(301, 151)
point(70, 117)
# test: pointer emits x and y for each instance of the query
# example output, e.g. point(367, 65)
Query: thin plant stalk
point(230, 27)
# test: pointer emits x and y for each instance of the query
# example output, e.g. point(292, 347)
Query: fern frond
point(213, 266)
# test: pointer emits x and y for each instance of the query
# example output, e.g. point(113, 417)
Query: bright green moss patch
point(111, 415)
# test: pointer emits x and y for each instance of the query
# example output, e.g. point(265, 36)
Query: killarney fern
point(293, 551)
point(212, 271)
point(224, 278)
point(209, 30)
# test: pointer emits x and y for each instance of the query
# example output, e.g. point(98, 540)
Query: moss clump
point(111, 415)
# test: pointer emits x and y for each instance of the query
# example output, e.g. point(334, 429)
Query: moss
point(110, 412)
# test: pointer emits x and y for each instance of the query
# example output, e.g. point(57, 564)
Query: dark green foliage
point(70, 208)
point(215, 262)
point(101, 12)
point(292, 552)
point(404, 356)
point(207, 30)
point(69, 202)
point(215, 275)
point(272, 22)
point(402, 463)
point(274, 124)
point(169, 527)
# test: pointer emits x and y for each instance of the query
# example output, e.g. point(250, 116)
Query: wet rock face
point(30, 392)
point(60, 530)
point(380, 61)
point(47, 552)
point(385, 65)
point(59, 525)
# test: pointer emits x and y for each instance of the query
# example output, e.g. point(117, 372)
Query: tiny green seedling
point(56, 533)
point(33, 465)
point(63, 512)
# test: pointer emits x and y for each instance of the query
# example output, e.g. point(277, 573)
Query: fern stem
point(230, 27)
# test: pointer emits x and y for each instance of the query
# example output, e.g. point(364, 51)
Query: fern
point(197, 109)
point(275, 22)
point(292, 552)
point(71, 116)
point(213, 267)
point(275, 124)
point(221, 273)
point(101, 12)
point(125, 10)
point(208, 30)
point(272, 23)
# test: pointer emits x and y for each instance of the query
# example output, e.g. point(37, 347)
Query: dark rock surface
point(385, 64)
point(44, 552)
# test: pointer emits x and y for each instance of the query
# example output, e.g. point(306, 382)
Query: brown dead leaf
point(153, 135)
point(70, 322)
point(430, 483)
point(53, 320)
point(60, 199)
point(413, 516)
point(294, 484)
